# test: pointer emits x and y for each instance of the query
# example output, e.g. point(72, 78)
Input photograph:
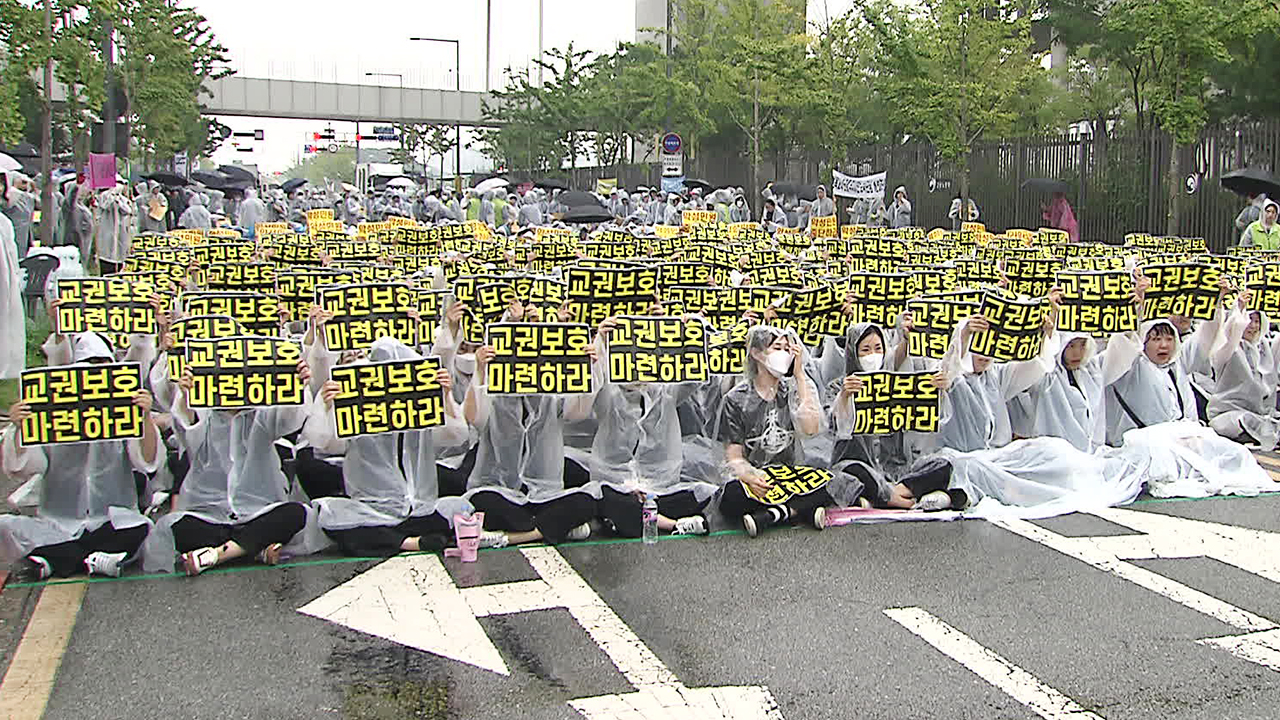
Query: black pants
point(453, 483)
point(109, 268)
point(431, 530)
point(736, 502)
point(317, 477)
point(67, 558)
point(554, 518)
point(922, 480)
point(624, 511)
point(277, 525)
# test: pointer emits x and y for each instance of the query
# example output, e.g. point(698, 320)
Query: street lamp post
point(457, 86)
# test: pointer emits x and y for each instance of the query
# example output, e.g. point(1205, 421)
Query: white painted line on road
point(1010, 679)
point(28, 683)
point(1262, 648)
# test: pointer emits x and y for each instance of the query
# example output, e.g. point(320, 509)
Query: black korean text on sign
point(539, 359)
point(81, 403)
point(892, 402)
point(388, 397)
point(365, 312)
point(814, 313)
point(1182, 289)
point(203, 327)
point(879, 298)
point(1097, 303)
point(105, 304)
point(727, 350)
point(787, 482)
point(934, 321)
point(254, 277)
point(598, 294)
point(258, 313)
point(297, 288)
point(1016, 331)
point(244, 372)
point(658, 350)
point(1263, 279)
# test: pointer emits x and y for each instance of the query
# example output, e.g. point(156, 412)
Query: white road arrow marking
point(1010, 679)
point(1165, 537)
point(412, 600)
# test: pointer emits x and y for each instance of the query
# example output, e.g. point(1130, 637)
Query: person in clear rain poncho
point(881, 470)
point(898, 214)
point(1154, 389)
point(1245, 364)
point(637, 450)
point(519, 476)
point(393, 501)
point(252, 211)
point(823, 206)
point(88, 518)
point(235, 501)
point(13, 320)
point(155, 206)
point(196, 216)
point(739, 212)
point(115, 228)
point(19, 205)
point(759, 423)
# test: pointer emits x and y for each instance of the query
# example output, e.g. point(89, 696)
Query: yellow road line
point(26, 687)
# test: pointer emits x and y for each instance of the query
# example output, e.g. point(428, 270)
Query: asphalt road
point(798, 611)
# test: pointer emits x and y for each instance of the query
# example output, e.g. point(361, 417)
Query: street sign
point(672, 164)
point(333, 147)
point(671, 144)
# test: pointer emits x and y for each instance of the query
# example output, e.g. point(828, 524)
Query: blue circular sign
point(671, 143)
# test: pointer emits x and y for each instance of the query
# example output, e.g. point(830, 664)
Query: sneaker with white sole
point(493, 539)
point(820, 518)
point(104, 563)
point(582, 532)
point(936, 500)
point(692, 525)
point(197, 561)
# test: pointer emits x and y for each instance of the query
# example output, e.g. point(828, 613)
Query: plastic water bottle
point(649, 516)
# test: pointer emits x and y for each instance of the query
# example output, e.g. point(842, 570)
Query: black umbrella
point(293, 184)
point(477, 179)
point(804, 192)
point(551, 184)
point(208, 178)
point(237, 173)
point(578, 198)
point(703, 184)
point(1251, 181)
point(1047, 185)
point(587, 214)
point(169, 179)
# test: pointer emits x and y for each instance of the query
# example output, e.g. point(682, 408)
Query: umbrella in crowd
point(577, 198)
point(293, 184)
point(212, 179)
point(168, 179)
point(551, 184)
point(400, 182)
point(1251, 181)
point(587, 214)
point(492, 184)
point(804, 192)
point(702, 185)
point(1047, 185)
point(237, 173)
point(348, 187)
point(8, 164)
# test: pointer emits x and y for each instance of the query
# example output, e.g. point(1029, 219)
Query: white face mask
point(778, 362)
point(872, 362)
point(465, 364)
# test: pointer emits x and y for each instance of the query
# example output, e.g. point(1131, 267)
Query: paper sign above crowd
point(81, 403)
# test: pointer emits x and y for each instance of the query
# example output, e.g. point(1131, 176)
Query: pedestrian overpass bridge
point(306, 100)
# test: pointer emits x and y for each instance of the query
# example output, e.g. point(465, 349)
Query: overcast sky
point(340, 42)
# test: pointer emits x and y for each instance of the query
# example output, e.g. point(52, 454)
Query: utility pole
point(109, 105)
point(47, 211)
point(488, 39)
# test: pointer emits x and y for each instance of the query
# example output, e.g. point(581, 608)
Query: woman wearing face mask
point(393, 502)
point(638, 450)
point(881, 470)
point(759, 423)
point(519, 480)
point(739, 212)
point(1245, 363)
point(87, 519)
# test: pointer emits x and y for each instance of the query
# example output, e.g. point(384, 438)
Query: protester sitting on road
point(1155, 389)
point(773, 218)
point(1246, 366)
point(759, 422)
point(880, 470)
point(87, 519)
point(519, 479)
point(235, 500)
point(393, 502)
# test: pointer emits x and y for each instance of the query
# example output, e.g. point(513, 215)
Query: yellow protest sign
point(538, 359)
point(392, 396)
point(892, 402)
point(105, 304)
point(243, 372)
point(658, 350)
point(365, 312)
point(81, 403)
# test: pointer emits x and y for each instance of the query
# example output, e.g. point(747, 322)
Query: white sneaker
point(102, 563)
point(692, 525)
point(820, 518)
point(582, 532)
point(936, 500)
point(493, 539)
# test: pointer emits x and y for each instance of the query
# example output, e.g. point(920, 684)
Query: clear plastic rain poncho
point(976, 407)
point(235, 474)
point(82, 485)
point(1071, 404)
point(1246, 371)
point(521, 446)
point(1187, 459)
point(12, 318)
point(388, 477)
point(637, 444)
point(1149, 394)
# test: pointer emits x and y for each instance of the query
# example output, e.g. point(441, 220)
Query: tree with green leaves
point(952, 70)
